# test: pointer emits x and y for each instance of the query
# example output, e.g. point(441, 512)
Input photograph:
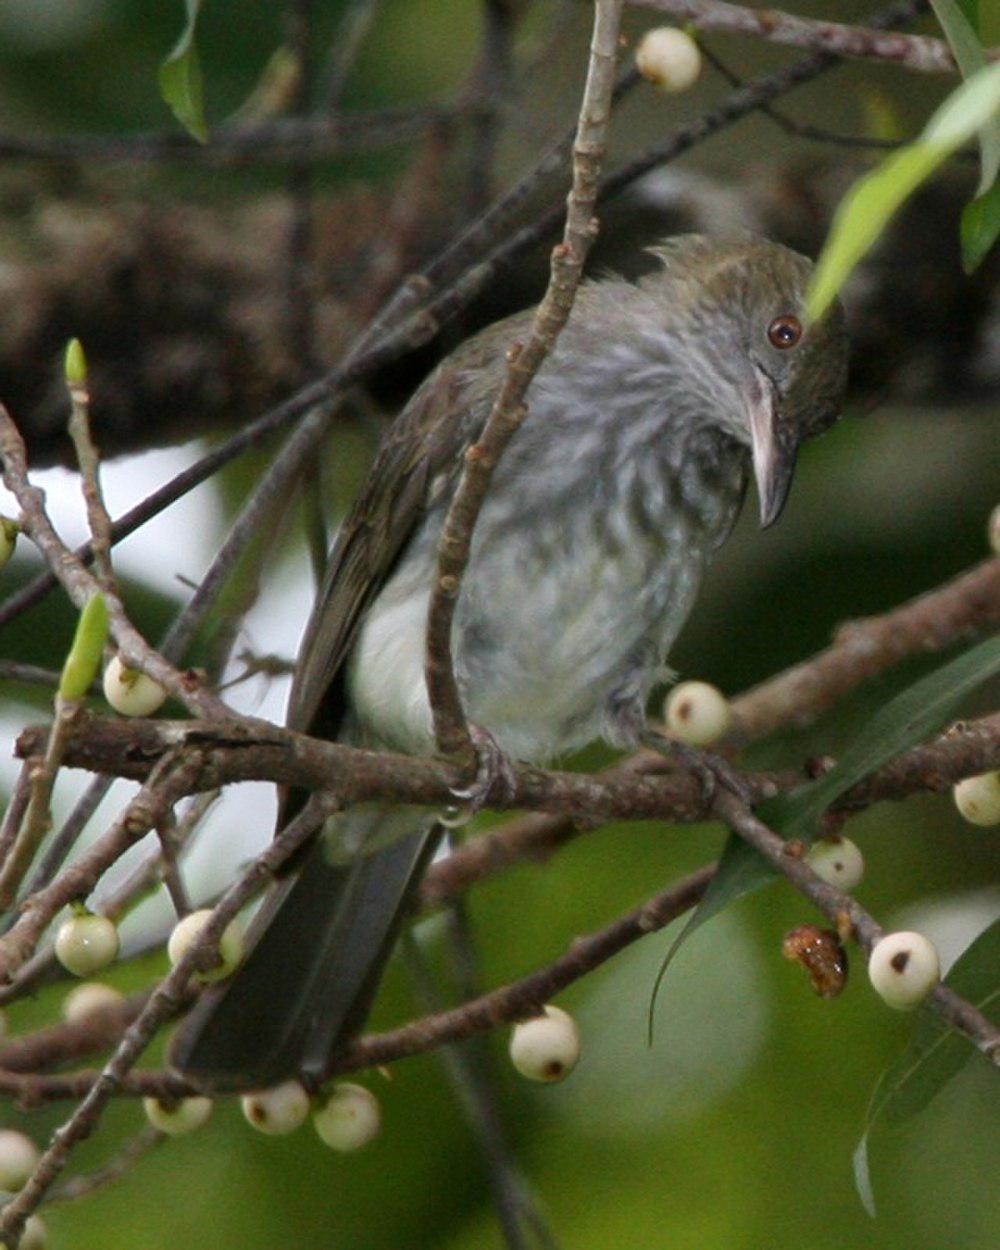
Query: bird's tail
point(317, 948)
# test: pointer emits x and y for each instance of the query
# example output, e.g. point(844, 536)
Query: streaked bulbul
point(627, 475)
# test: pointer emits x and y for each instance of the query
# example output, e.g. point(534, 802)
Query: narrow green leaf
point(867, 208)
point(906, 720)
point(971, 58)
point(970, 9)
point(740, 871)
point(980, 227)
point(935, 1054)
point(84, 657)
point(180, 78)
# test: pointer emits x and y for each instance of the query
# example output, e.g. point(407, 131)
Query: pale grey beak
point(773, 452)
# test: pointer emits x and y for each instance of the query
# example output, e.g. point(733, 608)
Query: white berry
point(669, 58)
point(89, 997)
point(978, 799)
point(837, 861)
point(349, 1118)
point(546, 1047)
point(186, 931)
point(35, 1235)
point(131, 692)
point(697, 713)
point(176, 1118)
point(277, 1110)
point(86, 944)
point(8, 539)
point(993, 530)
point(903, 969)
point(18, 1159)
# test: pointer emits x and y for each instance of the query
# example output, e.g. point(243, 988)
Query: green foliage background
point(639, 1147)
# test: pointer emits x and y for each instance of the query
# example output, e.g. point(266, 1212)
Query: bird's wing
point(425, 441)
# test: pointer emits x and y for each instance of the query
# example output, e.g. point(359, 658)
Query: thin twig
point(234, 145)
point(98, 519)
point(163, 1002)
point(80, 584)
point(13, 817)
point(916, 52)
point(38, 817)
point(165, 785)
point(802, 130)
point(469, 1077)
point(849, 917)
point(961, 609)
point(516, 1001)
point(62, 844)
point(524, 359)
point(119, 1165)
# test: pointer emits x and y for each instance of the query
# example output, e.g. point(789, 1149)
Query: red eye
point(785, 331)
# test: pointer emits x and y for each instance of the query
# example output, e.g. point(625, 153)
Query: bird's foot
point(494, 773)
point(710, 769)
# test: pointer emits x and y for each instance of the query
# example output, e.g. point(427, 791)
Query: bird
point(658, 402)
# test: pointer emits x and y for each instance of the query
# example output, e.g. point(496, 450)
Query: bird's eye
point(785, 331)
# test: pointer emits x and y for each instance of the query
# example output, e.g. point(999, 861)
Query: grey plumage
point(602, 515)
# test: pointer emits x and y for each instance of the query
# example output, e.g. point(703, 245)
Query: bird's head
point(760, 371)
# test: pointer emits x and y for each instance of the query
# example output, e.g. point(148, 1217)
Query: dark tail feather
point(317, 949)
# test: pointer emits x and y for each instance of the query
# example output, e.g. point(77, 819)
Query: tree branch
point(849, 917)
point(524, 359)
point(916, 52)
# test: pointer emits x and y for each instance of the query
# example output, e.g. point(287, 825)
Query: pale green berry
point(546, 1047)
point(349, 1118)
point(35, 1235)
point(18, 1159)
point(978, 798)
point(697, 713)
point(837, 861)
point(278, 1110)
point(186, 931)
point(8, 539)
point(88, 998)
point(177, 1118)
point(903, 969)
point(668, 58)
point(131, 692)
point(86, 944)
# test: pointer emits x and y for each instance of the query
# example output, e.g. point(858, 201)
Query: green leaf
point(180, 78)
point(84, 657)
point(971, 58)
point(936, 1053)
point(906, 720)
point(970, 8)
point(867, 208)
point(980, 227)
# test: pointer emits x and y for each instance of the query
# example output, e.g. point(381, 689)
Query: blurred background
point(735, 1130)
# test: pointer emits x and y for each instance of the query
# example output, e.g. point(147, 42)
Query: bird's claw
point(494, 772)
point(711, 770)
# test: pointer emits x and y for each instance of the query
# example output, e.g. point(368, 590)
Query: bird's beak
point(774, 450)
